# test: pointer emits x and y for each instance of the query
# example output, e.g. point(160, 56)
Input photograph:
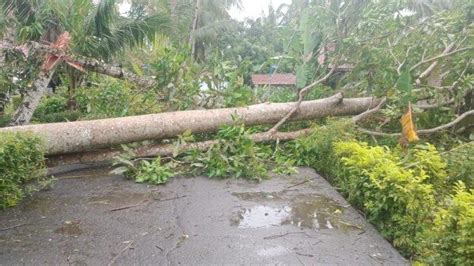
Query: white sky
point(250, 8)
point(254, 8)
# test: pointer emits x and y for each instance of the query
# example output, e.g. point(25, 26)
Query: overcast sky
point(250, 8)
point(254, 8)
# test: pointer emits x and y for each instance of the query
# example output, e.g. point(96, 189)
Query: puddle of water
point(318, 213)
point(260, 216)
point(69, 228)
point(313, 212)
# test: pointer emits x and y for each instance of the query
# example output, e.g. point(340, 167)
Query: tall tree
point(96, 28)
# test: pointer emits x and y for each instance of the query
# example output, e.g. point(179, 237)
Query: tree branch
point(163, 149)
point(440, 56)
point(421, 131)
point(301, 96)
point(369, 112)
point(87, 63)
point(430, 69)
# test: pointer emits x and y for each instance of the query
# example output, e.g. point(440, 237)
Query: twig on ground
point(128, 206)
point(285, 234)
point(173, 198)
point(120, 253)
point(300, 183)
point(13, 227)
point(306, 255)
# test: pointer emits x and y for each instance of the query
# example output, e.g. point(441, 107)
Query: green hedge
point(419, 199)
point(22, 167)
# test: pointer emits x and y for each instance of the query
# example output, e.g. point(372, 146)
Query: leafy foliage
point(22, 168)
point(234, 155)
point(143, 171)
point(112, 98)
point(397, 200)
point(316, 149)
point(460, 161)
point(451, 240)
point(154, 172)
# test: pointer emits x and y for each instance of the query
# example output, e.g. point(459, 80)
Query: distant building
point(277, 79)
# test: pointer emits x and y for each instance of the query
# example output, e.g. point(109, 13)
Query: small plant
point(154, 172)
point(143, 171)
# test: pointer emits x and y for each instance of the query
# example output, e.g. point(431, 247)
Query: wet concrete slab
point(92, 218)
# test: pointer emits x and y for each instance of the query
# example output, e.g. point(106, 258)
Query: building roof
point(274, 79)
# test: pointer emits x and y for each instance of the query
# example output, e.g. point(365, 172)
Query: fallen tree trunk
point(162, 149)
point(68, 137)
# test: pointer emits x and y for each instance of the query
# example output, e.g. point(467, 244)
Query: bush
point(396, 194)
point(21, 167)
point(114, 98)
point(316, 150)
point(461, 164)
point(451, 240)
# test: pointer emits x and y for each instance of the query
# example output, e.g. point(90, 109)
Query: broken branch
point(163, 149)
point(439, 56)
point(369, 112)
point(301, 96)
point(421, 131)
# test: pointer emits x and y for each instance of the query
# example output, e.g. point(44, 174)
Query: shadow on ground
point(90, 217)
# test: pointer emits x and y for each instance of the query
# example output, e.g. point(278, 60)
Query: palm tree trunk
point(68, 137)
point(31, 99)
point(6, 43)
point(192, 39)
point(174, 15)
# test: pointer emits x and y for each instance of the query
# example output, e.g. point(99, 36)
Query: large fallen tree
point(153, 150)
point(69, 137)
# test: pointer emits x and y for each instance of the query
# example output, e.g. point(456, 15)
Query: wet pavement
point(92, 218)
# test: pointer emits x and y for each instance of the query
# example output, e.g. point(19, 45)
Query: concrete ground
point(92, 218)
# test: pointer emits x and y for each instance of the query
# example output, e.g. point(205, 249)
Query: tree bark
point(31, 100)
point(89, 64)
point(114, 71)
point(192, 39)
point(8, 40)
point(174, 15)
point(162, 149)
point(81, 136)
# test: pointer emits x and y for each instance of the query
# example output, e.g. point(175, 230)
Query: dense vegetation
point(22, 167)
point(416, 55)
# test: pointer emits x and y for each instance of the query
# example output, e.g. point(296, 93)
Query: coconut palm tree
point(96, 28)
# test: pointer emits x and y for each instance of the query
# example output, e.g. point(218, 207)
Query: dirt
point(90, 217)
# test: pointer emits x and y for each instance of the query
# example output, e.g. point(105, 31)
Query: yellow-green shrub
point(396, 194)
point(450, 241)
point(316, 149)
point(21, 165)
point(461, 164)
